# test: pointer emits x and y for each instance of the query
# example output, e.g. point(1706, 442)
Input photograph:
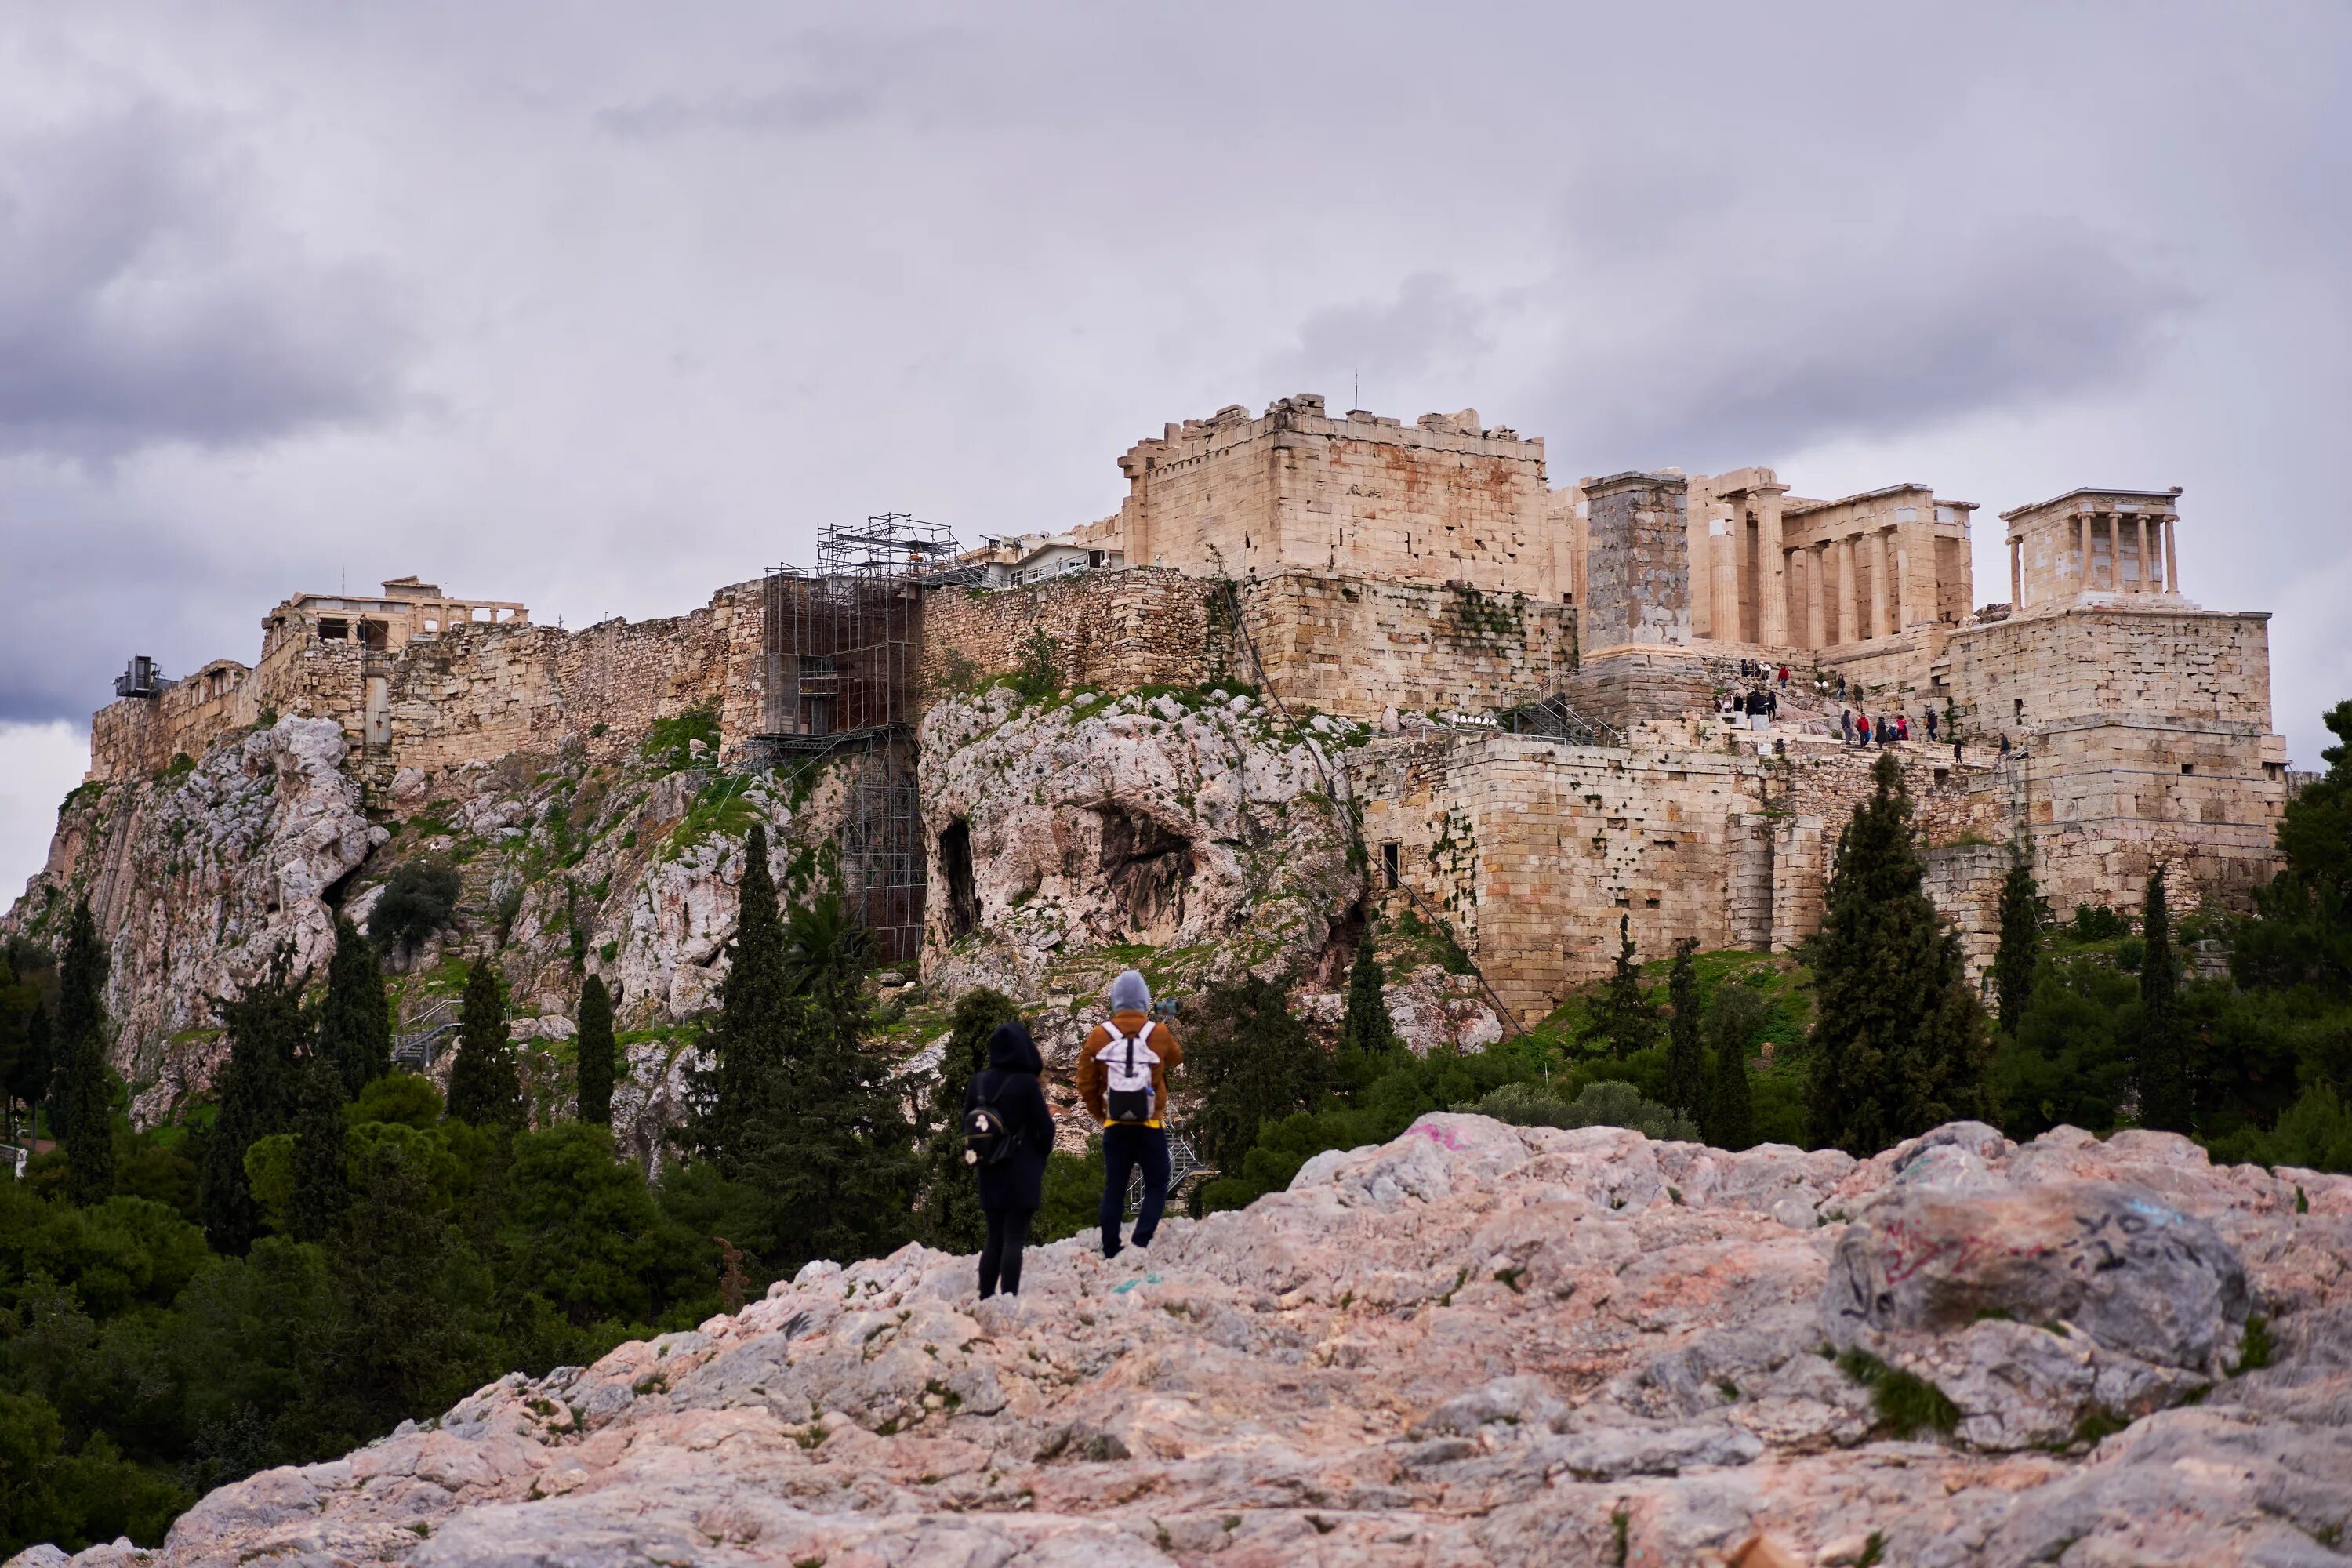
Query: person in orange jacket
point(1123, 1079)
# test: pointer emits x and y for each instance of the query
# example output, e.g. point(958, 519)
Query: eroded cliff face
point(1073, 838)
point(1478, 1344)
point(567, 867)
point(196, 877)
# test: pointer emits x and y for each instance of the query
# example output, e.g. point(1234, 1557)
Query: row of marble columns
point(1834, 571)
point(2152, 548)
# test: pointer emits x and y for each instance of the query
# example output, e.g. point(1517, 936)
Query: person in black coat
point(1012, 1189)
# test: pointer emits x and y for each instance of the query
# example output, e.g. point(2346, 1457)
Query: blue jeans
point(1124, 1149)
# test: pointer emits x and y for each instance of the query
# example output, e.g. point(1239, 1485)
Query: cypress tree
point(952, 1220)
point(266, 1033)
point(1625, 1016)
point(81, 980)
point(831, 1146)
point(30, 1073)
point(744, 1043)
point(2160, 1064)
point(1899, 1045)
point(1732, 1025)
point(355, 1023)
point(597, 1065)
point(2020, 946)
point(485, 1085)
point(1686, 1067)
point(82, 1102)
point(1366, 1031)
point(321, 1190)
point(1248, 1063)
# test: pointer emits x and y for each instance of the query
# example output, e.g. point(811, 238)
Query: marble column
point(1877, 560)
point(2083, 550)
point(1846, 626)
point(2171, 557)
point(2143, 586)
point(1816, 561)
point(2016, 575)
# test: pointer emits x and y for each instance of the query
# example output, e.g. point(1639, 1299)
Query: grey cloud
point(793, 111)
point(1825, 344)
point(1431, 326)
point(141, 302)
point(845, 79)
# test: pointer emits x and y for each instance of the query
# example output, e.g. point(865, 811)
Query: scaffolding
point(843, 653)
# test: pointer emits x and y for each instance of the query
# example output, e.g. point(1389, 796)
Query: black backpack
point(987, 1140)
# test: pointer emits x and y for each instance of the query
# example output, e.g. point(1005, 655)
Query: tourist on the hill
point(1956, 748)
point(1931, 726)
point(1772, 703)
point(1845, 726)
point(1123, 1079)
point(1008, 1132)
point(1784, 676)
point(2004, 745)
point(1903, 726)
point(1841, 688)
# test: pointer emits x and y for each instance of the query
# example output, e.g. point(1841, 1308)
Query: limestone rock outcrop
point(1477, 1345)
point(1068, 833)
point(196, 876)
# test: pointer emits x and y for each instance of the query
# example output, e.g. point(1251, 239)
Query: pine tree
point(1624, 1015)
point(81, 1101)
point(267, 1033)
point(1729, 1107)
point(952, 1220)
point(321, 1190)
point(355, 1023)
point(597, 1063)
point(2020, 946)
point(744, 1043)
point(1686, 1086)
point(485, 1085)
point(1899, 1045)
point(2160, 1065)
point(1366, 1032)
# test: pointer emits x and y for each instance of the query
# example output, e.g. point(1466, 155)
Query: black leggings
point(999, 1256)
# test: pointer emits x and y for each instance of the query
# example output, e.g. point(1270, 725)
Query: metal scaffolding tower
point(844, 654)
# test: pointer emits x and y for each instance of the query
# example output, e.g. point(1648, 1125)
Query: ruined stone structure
point(1512, 687)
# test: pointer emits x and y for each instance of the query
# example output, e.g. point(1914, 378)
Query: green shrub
point(417, 900)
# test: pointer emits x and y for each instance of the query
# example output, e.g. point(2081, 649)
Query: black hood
point(1011, 1049)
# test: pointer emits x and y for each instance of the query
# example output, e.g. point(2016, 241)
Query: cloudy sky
point(599, 306)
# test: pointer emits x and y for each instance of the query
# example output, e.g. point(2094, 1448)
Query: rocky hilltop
point(1477, 1345)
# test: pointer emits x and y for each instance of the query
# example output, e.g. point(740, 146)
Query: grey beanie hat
point(1129, 993)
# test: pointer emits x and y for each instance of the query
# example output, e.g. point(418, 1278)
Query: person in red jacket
point(1123, 1079)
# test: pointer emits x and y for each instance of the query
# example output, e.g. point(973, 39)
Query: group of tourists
point(1756, 670)
point(1757, 709)
point(1008, 1131)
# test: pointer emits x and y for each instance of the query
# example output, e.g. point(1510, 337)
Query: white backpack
point(1126, 1068)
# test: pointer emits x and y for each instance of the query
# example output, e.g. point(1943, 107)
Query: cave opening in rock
point(963, 892)
point(1148, 867)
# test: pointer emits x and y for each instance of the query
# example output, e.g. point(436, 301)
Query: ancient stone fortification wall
point(478, 692)
point(1351, 647)
point(1142, 626)
point(1354, 647)
point(1533, 850)
point(2148, 742)
point(1626, 685)
point(135, 736)
point(473, 692)
point(1437, 501)
point(2181, 667)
